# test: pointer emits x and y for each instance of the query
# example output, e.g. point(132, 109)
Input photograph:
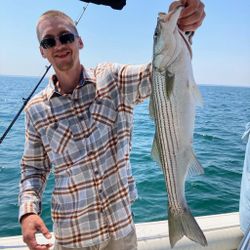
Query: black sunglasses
point(65, 38)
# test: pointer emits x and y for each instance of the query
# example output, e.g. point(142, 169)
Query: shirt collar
point(87, 75)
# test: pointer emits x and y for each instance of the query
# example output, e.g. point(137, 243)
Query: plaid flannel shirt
point(86, 137)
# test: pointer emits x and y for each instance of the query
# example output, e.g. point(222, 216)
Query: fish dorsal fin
point(155, 153)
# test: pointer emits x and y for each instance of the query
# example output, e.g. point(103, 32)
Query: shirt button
point(55, 126)
point(81, 117)
point(96, 172)
point(98, 102)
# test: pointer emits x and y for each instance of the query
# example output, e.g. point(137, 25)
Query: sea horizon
point(244, 85)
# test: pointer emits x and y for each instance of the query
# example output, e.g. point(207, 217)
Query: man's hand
point(191, 16)
point(31, 224)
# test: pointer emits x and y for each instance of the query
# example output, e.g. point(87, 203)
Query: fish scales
point(169, 143)
point(172, 106)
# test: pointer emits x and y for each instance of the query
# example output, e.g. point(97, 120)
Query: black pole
point(24, 104)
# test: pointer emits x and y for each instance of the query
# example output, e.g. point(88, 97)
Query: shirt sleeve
point(134, 81)
point(35, 168)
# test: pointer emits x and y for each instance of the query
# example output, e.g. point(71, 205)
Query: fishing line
point(25, 100)
point(84, 9)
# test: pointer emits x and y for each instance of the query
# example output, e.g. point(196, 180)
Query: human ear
point(81, 45)
point(42, 52)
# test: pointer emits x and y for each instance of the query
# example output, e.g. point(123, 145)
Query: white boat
point(222, 232)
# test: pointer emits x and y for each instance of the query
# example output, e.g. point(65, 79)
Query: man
point(81, 124)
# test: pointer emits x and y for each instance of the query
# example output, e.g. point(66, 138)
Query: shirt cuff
point(28, 208)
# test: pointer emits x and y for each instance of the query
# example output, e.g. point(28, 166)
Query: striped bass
point(172, 105)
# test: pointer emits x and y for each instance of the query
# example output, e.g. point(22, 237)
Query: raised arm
point(134, 82)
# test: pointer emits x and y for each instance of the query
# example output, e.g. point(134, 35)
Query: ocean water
point(217, 143)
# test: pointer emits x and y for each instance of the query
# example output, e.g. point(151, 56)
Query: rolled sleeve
point(35, 168)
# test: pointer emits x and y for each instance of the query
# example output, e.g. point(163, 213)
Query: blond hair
point(55, 13)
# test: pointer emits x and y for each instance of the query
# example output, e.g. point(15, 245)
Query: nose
point(58, 42)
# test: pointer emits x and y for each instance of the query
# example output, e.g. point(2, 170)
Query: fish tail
point(183, 223)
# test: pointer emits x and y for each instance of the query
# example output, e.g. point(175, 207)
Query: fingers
point(190, 6)
point(44, 230)
point(30, 226)
point(30, 239)
point(192, 26)
point(192, 15)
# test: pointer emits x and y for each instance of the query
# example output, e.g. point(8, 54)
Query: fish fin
point(194, 166)
point(189, 162)
point(246, 133)
point(183, 223)
point(155, 152)
point(197, 95)
point(151, 108)
point(169, 77)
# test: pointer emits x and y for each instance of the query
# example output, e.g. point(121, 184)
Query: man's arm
point(35, 168)
point(134, 82)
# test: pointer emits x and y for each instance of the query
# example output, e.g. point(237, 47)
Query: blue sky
point(221, 47)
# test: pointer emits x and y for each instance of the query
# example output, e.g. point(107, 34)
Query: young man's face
point(63, 56)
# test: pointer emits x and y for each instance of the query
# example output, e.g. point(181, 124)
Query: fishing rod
point(26, 100)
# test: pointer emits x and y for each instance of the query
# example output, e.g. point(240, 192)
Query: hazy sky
point(221, 47)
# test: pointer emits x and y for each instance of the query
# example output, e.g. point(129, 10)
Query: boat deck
point(222, 232)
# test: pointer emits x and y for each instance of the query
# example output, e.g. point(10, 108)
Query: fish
point(172, 106)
